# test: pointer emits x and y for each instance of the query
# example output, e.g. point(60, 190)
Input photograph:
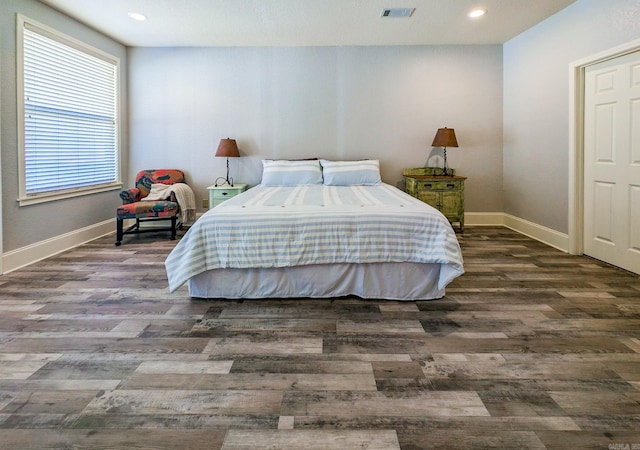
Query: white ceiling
point(229, 23)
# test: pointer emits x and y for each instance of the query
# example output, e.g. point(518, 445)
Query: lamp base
point(224, 181)
point(227, 180)
point(446, 171)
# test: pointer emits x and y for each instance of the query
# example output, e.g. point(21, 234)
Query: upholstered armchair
point(134, 205)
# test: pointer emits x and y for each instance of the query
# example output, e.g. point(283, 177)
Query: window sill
point(61, 195)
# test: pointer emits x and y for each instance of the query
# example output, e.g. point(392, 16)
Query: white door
point(612, 162)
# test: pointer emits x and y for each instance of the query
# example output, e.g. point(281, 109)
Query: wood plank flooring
point(530, 349)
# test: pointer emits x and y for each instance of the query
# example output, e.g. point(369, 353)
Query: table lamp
point(445, 137)
point(228, 148)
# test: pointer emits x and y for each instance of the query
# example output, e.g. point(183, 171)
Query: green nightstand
point(445, 193)
point(218, 194)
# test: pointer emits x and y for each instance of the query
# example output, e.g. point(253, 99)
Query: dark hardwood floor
point(530, 349)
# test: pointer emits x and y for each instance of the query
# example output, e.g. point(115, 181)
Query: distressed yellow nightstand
point(445, 193)
point(218, 194)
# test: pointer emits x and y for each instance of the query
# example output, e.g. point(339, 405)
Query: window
point(68, 107)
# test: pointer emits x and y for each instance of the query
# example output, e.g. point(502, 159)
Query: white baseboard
point(538, 232)
point(21, 257)
point(483, 219)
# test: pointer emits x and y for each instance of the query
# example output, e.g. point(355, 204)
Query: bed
point(334, 233)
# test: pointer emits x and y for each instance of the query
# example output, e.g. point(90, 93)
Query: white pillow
point(351, 173)
point(280, 172)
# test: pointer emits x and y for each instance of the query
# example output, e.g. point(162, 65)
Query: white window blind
point(70, 116)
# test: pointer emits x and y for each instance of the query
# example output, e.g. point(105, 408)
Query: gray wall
point(334, 102)
point(27, 225)
point(536, 102)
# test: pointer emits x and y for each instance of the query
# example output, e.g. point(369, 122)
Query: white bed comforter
point(316, 224)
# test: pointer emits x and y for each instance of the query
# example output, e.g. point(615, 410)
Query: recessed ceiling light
point(478, 12)
point(137, 16)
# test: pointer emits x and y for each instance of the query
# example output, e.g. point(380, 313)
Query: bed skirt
point(392, 281)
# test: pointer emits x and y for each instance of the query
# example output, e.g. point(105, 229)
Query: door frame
point(576, 139)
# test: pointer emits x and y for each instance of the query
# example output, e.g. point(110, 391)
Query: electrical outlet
point(205, 203)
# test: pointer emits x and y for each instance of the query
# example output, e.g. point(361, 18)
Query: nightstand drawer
point(226, 193)
point(218, 194)
point(452, 185)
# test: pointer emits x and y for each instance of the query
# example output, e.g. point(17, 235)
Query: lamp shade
point(445, 137)
point(228, 148)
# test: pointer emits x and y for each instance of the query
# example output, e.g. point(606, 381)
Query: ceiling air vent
point(397, 12)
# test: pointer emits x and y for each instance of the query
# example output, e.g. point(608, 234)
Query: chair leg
point(135, 228)
point(118, 232)
point(173, 227)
